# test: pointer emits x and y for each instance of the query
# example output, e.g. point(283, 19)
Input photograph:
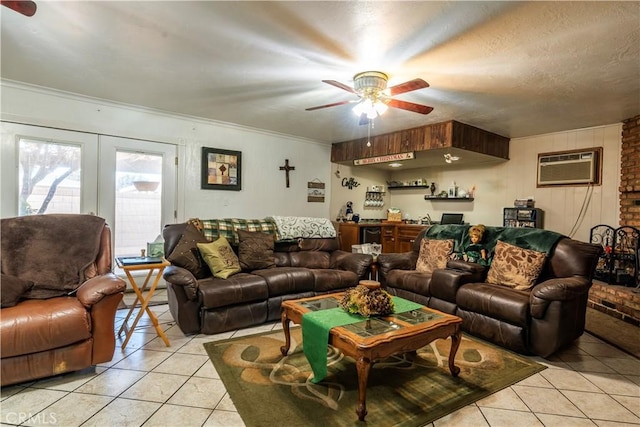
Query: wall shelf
point(449, 199)
point(403, 187)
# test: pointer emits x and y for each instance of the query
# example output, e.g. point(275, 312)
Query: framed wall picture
point(221, 169)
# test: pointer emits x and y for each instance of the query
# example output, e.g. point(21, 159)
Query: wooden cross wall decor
point(287, 168)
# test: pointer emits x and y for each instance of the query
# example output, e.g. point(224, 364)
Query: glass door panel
point(47, 170)
point(138, 204)
point(137, 182)
point(49, 176)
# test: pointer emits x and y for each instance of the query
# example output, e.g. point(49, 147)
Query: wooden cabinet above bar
point(449, 134)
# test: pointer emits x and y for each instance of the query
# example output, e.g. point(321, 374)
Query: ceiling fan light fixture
point(370, 108)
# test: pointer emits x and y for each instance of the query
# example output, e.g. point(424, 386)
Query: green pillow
point(220, 258)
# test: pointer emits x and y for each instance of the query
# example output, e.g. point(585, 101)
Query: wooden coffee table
point(377, 338)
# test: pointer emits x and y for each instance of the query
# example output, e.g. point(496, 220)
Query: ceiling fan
point(27, 8)
point(375, 97)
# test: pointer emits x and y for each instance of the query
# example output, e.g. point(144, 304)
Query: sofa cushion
point(329, 280)
point(433, 255)
point(410, 280)
point(220, 258)
point(515, 267)
point(498, 302)
point(186, 254)
point(240, 288)
point(39, 325)
point(255, 250)
point(310, 259)
point(13, 288)
point(287, 280)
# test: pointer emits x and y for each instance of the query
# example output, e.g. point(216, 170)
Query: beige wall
point(498, 185)
point(263, 183)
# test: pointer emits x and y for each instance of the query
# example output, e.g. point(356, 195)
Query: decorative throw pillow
point(255, 250)
point(433, 255)
point(186, 254)
point(12, 289)
point(220, 258)
point(515, 267)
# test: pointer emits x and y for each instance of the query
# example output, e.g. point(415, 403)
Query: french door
point(130, 183)
point(137, 190)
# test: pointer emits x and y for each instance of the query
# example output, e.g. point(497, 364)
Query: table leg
point(363, 366)
point(152, 316)
point(287, 334)
point(455, 343)
point(144, 307)
point(139, 297)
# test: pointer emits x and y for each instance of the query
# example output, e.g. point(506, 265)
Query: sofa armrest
point(96, 288)
point(445, 282)
point(182, 277)
point(358, 263)
point(396, 261)
point(560, 289)
point(479, 272)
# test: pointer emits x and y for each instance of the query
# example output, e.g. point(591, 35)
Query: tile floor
point(148, 384)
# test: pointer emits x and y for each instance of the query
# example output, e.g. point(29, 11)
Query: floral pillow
point(220, 258)
point(433, 255)
point(515, 267)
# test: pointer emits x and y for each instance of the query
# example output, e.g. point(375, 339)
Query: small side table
point(155, 266)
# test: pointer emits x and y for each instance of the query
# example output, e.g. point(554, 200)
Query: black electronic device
point(451, 218)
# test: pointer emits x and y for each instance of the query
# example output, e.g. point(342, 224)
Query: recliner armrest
point(560, 289)
point(358, 263)
point(396, 261)
point(445, 282)
point(96, 288)
point(182, 277)
point(478, 271)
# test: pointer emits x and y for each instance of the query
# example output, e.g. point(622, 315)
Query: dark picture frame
point(221, 169)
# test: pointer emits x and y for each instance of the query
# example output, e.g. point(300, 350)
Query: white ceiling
point(514, 68)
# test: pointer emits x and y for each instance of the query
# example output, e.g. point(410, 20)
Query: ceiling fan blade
point(328, 105)
point(414, 84)
point(27, 8)
point(410, 106)
point(341, 86)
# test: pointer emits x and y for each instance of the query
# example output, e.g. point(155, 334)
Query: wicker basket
point(394, 217)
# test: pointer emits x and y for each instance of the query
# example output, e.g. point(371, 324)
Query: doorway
point(131, 183)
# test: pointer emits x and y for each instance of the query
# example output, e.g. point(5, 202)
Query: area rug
point(268, 389)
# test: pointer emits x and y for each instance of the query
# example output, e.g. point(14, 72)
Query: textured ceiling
point(514, 68)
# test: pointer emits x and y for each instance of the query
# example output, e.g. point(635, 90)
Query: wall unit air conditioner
point(569, 168)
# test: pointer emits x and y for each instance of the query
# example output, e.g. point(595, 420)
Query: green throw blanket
point(527, 238)
point(317, 324)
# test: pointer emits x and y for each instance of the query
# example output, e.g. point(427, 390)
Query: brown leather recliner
point(59, 295)
point(537, 321)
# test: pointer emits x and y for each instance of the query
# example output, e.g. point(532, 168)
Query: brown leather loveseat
point(59, 296)
point(537, 319)
point(202, 303)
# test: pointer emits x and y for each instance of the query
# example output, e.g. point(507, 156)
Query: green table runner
point(317, 324)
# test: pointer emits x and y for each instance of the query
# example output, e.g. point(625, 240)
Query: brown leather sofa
point(59, 296)
point(538, 321)
point(201, 303)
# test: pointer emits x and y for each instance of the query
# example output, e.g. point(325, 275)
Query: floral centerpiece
point(367, 299)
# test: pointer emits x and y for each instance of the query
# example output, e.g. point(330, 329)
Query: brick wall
point(630, 173)
point(617, 301)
